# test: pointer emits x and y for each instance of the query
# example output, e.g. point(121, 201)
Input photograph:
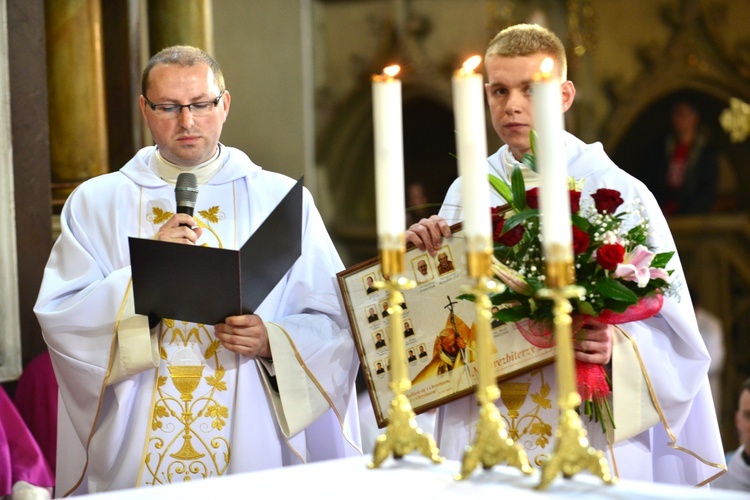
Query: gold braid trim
point(615, 472)
point(104, 386)
point(673, 444)
point(320, 388)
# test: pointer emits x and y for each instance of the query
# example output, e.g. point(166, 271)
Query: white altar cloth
point(413, 476)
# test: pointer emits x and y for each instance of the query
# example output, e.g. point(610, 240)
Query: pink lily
point(636, 268)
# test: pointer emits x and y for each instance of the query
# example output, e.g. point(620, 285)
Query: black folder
point(205, 285)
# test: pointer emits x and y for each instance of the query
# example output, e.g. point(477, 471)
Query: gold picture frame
point(430, 311)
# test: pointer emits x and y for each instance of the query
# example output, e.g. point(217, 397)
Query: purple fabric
point(20, 456)
point(36, 400)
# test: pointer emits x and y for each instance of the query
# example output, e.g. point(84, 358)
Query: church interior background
point(299, 73)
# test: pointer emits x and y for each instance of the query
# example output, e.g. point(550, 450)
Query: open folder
point(205, 285)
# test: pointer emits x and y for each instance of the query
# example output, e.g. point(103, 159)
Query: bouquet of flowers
point(622, 279)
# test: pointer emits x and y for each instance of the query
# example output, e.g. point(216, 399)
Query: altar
point(410, 477)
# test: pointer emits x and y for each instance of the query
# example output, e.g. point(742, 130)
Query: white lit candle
point(389, 158)
point(554, 202)
point(471, 142)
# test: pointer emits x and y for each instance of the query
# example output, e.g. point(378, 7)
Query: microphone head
point(186, 192)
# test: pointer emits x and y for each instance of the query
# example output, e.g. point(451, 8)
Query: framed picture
point(439, 338)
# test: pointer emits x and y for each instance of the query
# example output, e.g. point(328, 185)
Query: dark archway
point(429, 150)
point(347, 150)
point(654, 122)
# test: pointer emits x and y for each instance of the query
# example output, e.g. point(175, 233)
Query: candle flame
point(389, 74)
point(392, 70)
point(548, 64)
point(470, 65)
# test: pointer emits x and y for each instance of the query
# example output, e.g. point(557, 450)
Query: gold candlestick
point(572, 452)
point(402, 435)
point(492, 445)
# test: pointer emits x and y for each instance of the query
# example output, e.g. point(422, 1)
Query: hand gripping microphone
point(186, 193)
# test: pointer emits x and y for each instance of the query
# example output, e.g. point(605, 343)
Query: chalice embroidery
point(186, 371)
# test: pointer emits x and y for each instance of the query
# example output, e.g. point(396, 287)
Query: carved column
point(77, 125)
point(173, 22)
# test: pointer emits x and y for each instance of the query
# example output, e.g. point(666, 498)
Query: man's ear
point(568, 94)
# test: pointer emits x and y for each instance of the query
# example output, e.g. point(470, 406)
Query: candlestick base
point(402, 435)
point(491, 446)
point(572, 453)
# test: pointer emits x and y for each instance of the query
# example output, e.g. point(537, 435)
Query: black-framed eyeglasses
point(201, 108)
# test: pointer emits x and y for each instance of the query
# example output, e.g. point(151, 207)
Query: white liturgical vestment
point(189, 408)
point(667, 429)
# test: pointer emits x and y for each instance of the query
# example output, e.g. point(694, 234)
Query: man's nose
point(186, 118)
point(513, 104)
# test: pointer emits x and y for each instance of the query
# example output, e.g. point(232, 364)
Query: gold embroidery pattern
point(523, 423)
point(189, 433)
point(212, 215)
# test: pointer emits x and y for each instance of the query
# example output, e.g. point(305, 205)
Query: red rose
point(608, 256)
point(607, 200)
point(532, 198)
point(580, 240)
point(575, 201)
point(497, 214)
point(509, 239)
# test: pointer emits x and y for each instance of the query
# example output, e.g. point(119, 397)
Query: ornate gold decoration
point(559, 269)
point(402, 436)
point(513, 395)
point(392, 259)
point(492, 445)
point(186, 379)
point(572, 452)
point(178, 449)
point(735, 120)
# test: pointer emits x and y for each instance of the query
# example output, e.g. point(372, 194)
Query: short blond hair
point(528, 39)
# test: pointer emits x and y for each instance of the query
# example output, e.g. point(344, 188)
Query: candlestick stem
point(572, 453)
point(402, 435)
point(492, 444)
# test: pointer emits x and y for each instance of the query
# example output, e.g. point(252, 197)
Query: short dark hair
point(182, 55)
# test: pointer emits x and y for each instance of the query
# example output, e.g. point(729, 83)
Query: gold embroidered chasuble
point(191, 413)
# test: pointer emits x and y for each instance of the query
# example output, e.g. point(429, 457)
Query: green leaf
point(519, 188)
point(529, 160)
point(580, 222)
point(518, 218)
point(661, 259)
point(533, 140)
point(502, 188)
point(512, 314)
point(615, 290)
point(586, 308)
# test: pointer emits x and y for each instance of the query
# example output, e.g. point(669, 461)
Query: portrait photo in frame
point(443, 331)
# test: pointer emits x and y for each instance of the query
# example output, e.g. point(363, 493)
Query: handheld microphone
point(186, 193)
